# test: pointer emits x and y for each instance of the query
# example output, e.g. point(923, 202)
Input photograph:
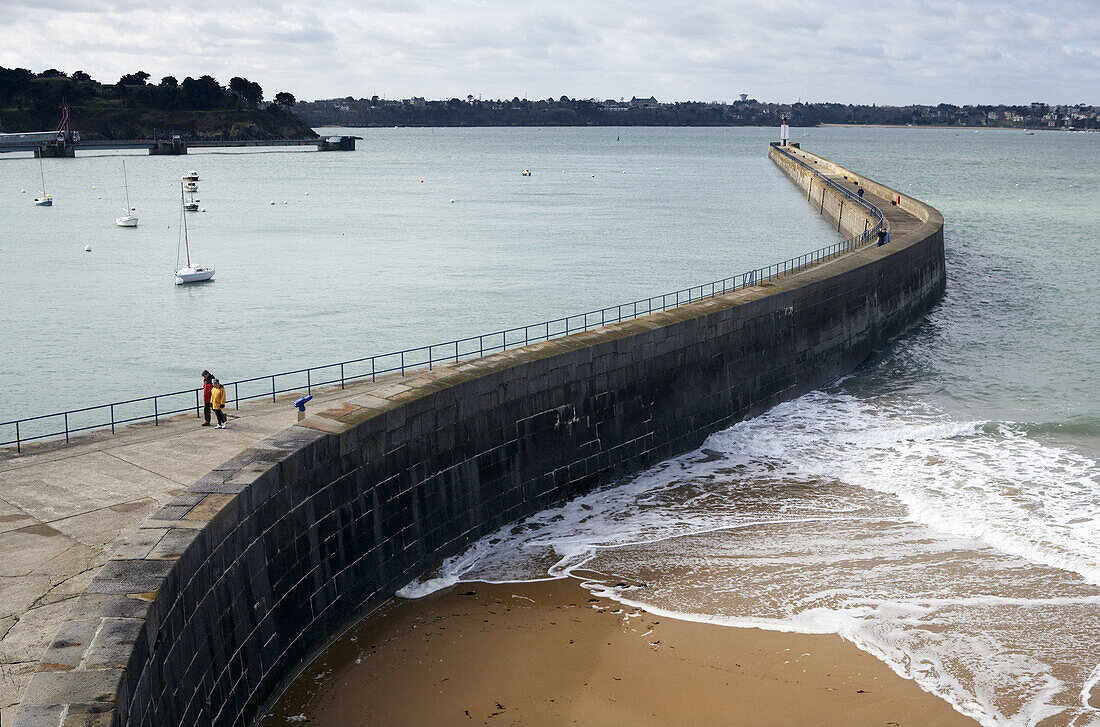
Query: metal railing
point(155, 408)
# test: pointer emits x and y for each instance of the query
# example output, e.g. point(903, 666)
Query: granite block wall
point(227, 591)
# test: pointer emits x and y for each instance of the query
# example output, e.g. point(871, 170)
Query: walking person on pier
point(217, 403)
point(207, 387)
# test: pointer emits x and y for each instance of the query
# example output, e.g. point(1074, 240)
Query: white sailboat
point(128, 219)
point(191, 272)
point(45, 200)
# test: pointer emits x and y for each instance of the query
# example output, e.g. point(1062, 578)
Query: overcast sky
point(849, 51)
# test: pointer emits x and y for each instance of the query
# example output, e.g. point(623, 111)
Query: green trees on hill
point(133, 107)
point(23, 89)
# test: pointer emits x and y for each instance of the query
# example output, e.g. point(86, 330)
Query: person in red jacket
point(207, 387)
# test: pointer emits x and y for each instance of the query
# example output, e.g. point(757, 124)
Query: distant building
point(744, 97)
point(644, 103)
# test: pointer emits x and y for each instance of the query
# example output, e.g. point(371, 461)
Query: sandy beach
point(550, 654)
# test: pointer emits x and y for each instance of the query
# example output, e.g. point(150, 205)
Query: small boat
point(190, 186)
point(526, 173)
point(128, 219)
point(45, 200)
point(191, 272)
point(1029, 133)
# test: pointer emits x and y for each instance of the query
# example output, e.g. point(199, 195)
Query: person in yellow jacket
point(217, 403)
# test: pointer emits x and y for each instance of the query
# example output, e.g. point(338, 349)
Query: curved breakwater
point(268, 556)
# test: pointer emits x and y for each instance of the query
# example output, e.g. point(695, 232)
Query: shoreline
point(924, 126)
point(551, 653)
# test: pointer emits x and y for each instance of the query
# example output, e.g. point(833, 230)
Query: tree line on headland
point(133, 108)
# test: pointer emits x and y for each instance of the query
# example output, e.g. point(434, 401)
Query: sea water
point(418, 237)
point(940, 507)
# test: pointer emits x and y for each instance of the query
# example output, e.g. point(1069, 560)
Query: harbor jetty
point(183, 586)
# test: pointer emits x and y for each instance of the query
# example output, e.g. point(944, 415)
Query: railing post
point(456, 351)
point(198, 414)
point(113, 414)
point(272, 389)
point(481, 345)
point(341, 376)
point(402, 363)
point(156, 415)
point(237, 394)
point(309, 385)
point(18, 443)
point(372, 360)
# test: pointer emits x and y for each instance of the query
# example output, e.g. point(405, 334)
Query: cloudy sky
point(850, 51)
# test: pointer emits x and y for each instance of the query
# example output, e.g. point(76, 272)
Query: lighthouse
point(784, 133)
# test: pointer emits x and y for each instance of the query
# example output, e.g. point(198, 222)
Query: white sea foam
point(963, 554)
point(970, 479)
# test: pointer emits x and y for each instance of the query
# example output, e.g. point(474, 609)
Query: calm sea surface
point(940, 508)
point(421, 236)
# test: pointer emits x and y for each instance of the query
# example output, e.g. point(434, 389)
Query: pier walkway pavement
point(66, 509)
point(898, 221)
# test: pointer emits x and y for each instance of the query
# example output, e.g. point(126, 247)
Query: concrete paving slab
point(97, 528)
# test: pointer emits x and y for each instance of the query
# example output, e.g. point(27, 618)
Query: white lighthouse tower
point(784, 133)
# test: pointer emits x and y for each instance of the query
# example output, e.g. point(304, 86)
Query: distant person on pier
point(883, 235)
point(217, 403)
point(861, 192)
point(207, 387)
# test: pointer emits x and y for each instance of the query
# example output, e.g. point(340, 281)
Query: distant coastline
point(475, 112)
point(928, 126)
point(202, 109)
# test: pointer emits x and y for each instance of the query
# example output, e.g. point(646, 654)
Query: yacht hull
point(193, 274)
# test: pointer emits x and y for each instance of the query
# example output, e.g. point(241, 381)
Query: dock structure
point(54, 145)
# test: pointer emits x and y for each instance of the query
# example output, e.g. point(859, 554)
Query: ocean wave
point(964, 554)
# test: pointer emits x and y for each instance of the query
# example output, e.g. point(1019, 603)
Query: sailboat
point(191, 272)
point(128, 219)
point(190, 186)
point(45, 200)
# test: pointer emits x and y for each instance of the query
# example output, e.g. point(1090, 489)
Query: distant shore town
point(564, 111)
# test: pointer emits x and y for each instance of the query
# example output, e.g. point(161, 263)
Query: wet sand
point(551, 654)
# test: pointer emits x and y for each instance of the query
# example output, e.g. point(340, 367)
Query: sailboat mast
point(186, 249)
point(43, 173)
point(126, 186)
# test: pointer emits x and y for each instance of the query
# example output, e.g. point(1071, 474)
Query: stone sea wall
point(227, 591)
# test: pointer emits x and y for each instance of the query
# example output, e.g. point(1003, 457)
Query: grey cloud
point(937, 50)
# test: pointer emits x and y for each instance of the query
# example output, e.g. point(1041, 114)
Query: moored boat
point(129, 219)
point(190, 272)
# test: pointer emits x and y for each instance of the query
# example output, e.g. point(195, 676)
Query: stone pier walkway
point(64, 509)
